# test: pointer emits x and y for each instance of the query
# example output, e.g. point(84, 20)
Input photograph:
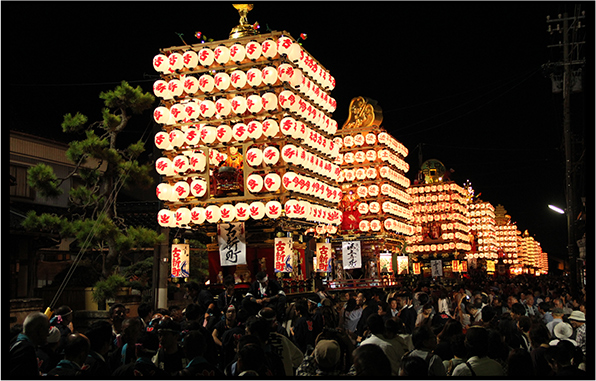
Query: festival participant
point(265, 292)
point(557, 318)
point(577, 319)
point(370, 362)
point(425, 343)
point(228, 296)
point(194, 345)
point(75, 352)
point(145, 347)
point(170, 356)
point(23, 359)
point(99, 335)
point(478, 364)
point(394, 353)
point(407, 313)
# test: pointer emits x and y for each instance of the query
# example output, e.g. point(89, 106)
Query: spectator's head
point(424, 338)
point(520, 364)
point(544, 307)
point(192, 290)
point(36, 327)
point(477, 341)
point(423, 298)
point(118, 312)
point(351, 304)
point(76, 348)
point(577, 318)
point(518, 310)
point(176, 313)
point(144, 311)
point(530, 300)
point(168, 332)
point(327, 354)
point(262, 278)
point(131, 329)
point(488, 313)
point(64, 313)
point(524, 324)
point(100, 336)
point(558, 313)
point(427, 308)
point(258, 327)
point(194, 344)
point(302, 307)
point(251, 358)
point(371, 362)
point(382, 307)
point(413, 367)
point(539, 335)
point(458, 346)
point(375, 324)
point(451, 328)
point(392, 303)
point(362, 298)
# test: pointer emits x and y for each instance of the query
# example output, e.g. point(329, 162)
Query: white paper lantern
point(242, 211)
point(207, 108)
point(176, 62)
point(238, 79)
point(290, 208)
point(177, 138)
point(162, 140)
point(192, 110)
point(166, 218)
point(228, 212)
point(161, 63)
point(270, 128)
point(175, 87)
point(272, 182)
point(287, 100)
point(283, 45)
point(160, 89)
point(254, 103)
point(253, 50)
point(206, 83)
point(163, 191)
point(197, 215)
point(257, 210)
point(238, 105)
point(254, 77)
point(206, 57)
point(363, 208)
point(240, 132)
point(212, 214)
point(222, 80)
point(375, 225)
point(237, 52)
point(374, 207)
point(182, 216)
point(255, 129)
point(190, 59)
point(287, 125)
point(373, 190)
point(181, 189)
point(254, 183)
point(163, 166)
point(254, 157)
point(271, 155)
point(216, 157)
point(224, 133)
point(197, 161)
point(269, 101)
point(223, 107)
point(273, 209)
point(221, 54)
point(269, 48)
point(288, 181)
point(177, 111)
point(190, 85)
point(161, 114)
point(289, 153)
point(294, 52)
point(208, 134)
point(360, 174)
point(362, 191)
point(269, 74)
point(285, 72)
point(180, 163)
point(303, 209)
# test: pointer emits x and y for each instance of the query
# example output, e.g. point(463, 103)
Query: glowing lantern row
point(387, 207)
point(298, 156)
point(195, 162)
point(256, 183)
point(388, 225)
point(312, 187)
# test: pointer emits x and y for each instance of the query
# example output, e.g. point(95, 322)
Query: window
point(20, 188)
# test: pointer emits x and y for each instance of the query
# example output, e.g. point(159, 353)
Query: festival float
point(442, 240)
point(369, 248)
point(507, 236)
point(248, 149)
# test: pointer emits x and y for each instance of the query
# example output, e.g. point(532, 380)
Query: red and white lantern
point(190, 85)
point(163, 166)
point(272, 182)
point(242, 211)
point(161, 63)
point(228, 212)
point(192, 110)
point(180, 163)
point(254, 77)
point(163, 191)
point(177, 138)
point(255, 129)
point(208, 134)
point(197, 215)
point(190, 59)
point(373, 190)
point(212, 214)
point(270, 128)
point(374, 207)
point(269, 101)
point(288, 181)
point(197, 161)
point(176, 62)
point(222, 81)
point(181, 189)
point(240, 132)
point(273, 209)
point(206, 57)
point(238, 105)
point(253, 50)
point(290, 208)
point(254, 103)
point(162, 140)
point(207, 108)
point(238, 79)
point(271, 155)
point(269, 48)
point(206, 83)
point(254, 183)
point(224, 133)
point(269, 75)
point(283, 45)
point(160, 89)
point(375, 225)
point(182, 216)
point(223, 107)
point(178, 113)
point(237, 52)
point(161, 115)
point(166, 218)
point(221, 54)
point(254, 157)
point(257, 210)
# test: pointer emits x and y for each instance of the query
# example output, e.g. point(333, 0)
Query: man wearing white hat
point(577, 319)
point(562, 331)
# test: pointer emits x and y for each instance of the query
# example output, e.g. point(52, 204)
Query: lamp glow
point(556, 209)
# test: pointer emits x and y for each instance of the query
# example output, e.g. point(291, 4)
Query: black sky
point(463, 78)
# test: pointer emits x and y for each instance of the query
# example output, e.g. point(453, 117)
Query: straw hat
point(577, 316)
point(563, 331)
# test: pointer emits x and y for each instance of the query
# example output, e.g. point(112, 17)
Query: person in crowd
point(75, 353)
point(47, 354)
point(539, 339)
point(222, 326)
point(370, 362)
point(544, 310)
point(349, 316)
point(125, 352)
point(473, 309)
point(265, 292)
point(557, 318)
point(414, 367)
point(328, 314)
point(252, 361)
point(176, 313)
point(392, 308)
point(23, 358)
point(228, 296)
point(144, 313)
point(425, 343)
point(203, 298)
point(478, 363)
point(62, 319)
point(369, 307)
point(376, 327)
point(519, 363)
point(118, 312)
point(304, 332)
point(451, 330)
point(393, 328)
point(560, 358)
point(99, 335)
point(407, 313)
point(531, 309)
point(511, 300)
point(524, 324)
point(145, 347)
point(382, 309)
point(325, 360)
point(562, 331)
point(231, 369)
point(425, 315)
point(198, 366)
point(560, 303)
point(577, 319)
point(497, 304)
point(283, 356)
point(170, 355)
point(459, 353)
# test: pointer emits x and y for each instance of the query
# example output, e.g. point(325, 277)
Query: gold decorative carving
point(363, 112)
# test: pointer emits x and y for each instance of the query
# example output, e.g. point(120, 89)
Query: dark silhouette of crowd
point(524, 327)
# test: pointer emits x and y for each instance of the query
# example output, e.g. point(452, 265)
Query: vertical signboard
point(180, 259)
point(232, 244)
point(436, 266)
point(283, 255)
point(351, 255)
point(323, 263)
point(402, 265)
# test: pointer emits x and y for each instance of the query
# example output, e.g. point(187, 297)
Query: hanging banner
point(436, 266)
point(385, 262)
point(490, 266)
point(283, 255)
point(352, 258)
point(232, 244)
point(416, 268)
point(464, 267)
point(180, 260)
point(455, 266)
point(323, 258)
point(402, 265)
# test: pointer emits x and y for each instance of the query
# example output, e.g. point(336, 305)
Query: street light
point(557, 209)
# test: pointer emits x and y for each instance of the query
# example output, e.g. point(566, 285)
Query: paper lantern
point(287, 125)
point(197, 215)
point(374, 207)
point(348, 141)
point(206, 57)
point(221, 54)
point(269, 74)
point(349, 157)
point(360, 174)
point(160, 89)
point(272, 182)
point(371, 155)
point(283, 45)
point(212, 214)
point(271, 155)
point(207, 108)
point(163, 166)
point(254, 77)
point(192, 110)
point(359, 140)
point(190, 85)
point(228, 212)
point(269, 48)
point(255, 129)
point(242, 211)
point(177, 138)
point(238, 79)
point(303, 209)
point(237, 52)
point(290, 208)
point(190, 59)
point(224, 133)
point(285, 72)
point(294, 52)
point(254, 103)
point(177, 111)
point(364, 225)
point(181, 189)
point(240, 132)
point(163, 191)
point(270, 127)
point(238, 105)
point(375, 225)
point(373, 190)
point(175, 87)
point(206, 83)
point(254, 157)
point(162, 140)
point(198, 187)
point(222, 81)
point(161, 63)
point(176, 62)
point(362, 191)
point(253, 50)
point(208, 134)
point(296, 78)
point(180, 163)
point(254, 183)
point(363, 208)
point(166, 218)
point(269, 101)
point(223, 107)
point(273, 209)
point(182, 216)
point(161, 114)
point(289, 153)
point(288, 181)
point(197, 161)
point(256, 210)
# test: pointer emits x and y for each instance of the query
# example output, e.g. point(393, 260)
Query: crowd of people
point(521, 327)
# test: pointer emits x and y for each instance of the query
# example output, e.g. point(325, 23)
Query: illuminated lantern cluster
point(268, 98)
point(482, 222)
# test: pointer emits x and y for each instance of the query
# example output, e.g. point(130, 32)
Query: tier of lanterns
point(260, 106)
point(482, 226)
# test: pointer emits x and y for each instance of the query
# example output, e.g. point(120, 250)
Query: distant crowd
point(525, 327)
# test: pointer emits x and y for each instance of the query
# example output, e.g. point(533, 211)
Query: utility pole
point(571, 57)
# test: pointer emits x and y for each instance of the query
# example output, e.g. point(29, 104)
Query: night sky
point(463, 79)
